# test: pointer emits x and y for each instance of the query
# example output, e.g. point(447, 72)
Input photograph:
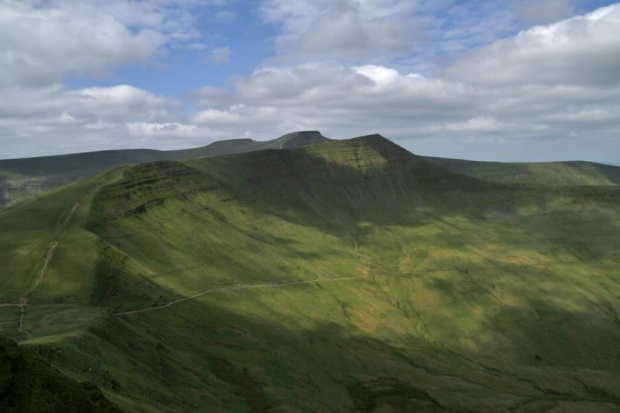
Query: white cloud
point(45, 40)
point(583, 50)
point(53, 120)
point(545, 11)
point(220, 56)
point(346, 101)
point(343, 28)
point(378, 74)
point(169, 130)
point(480, 124)
point(40, 45)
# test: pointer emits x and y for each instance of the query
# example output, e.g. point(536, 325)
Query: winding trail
point(23, 301)
point(23, 304)
point(239, 288)
point(297, 282)
point(48, 257)
point(50, 250)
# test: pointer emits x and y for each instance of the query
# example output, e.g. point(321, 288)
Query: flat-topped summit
point(299, 139)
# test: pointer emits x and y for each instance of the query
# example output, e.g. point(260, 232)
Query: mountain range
point(22, 179)
point(313, 275)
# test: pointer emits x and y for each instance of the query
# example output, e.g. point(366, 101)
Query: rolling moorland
point(340, 276)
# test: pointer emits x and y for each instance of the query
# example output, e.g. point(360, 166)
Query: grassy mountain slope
point(21, 179)
point(544, 173)
point(345, 276)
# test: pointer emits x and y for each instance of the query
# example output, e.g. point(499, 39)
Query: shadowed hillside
point(343, 276)
point(28, 384)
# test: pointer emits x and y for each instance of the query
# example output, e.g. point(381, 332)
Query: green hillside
point(543, 173)
point(22, 179)
point(343, 276)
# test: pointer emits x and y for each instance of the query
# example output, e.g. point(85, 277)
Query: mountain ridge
point(293, 136)
point(22, 179)
point(26, 177)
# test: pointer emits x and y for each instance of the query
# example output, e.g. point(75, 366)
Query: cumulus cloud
point(583, 50)
point(345, 28)
point(220, 56)
point(44, 40)
point(345, 100)
point(169, 130)
point(54, 120)
point(40, 45)
point(545, 11)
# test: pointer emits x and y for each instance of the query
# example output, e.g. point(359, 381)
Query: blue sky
point(492, 80)
point(188, 66)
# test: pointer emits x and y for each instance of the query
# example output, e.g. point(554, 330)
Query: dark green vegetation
point(345, 276)
point(543, 173)
point(29, 384)
point(22, 179)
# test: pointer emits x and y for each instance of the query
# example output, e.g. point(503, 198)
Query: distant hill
point(22, 179)
point(543, 173)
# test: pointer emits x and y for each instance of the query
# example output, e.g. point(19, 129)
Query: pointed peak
point(378, 141)
point(375, 137)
